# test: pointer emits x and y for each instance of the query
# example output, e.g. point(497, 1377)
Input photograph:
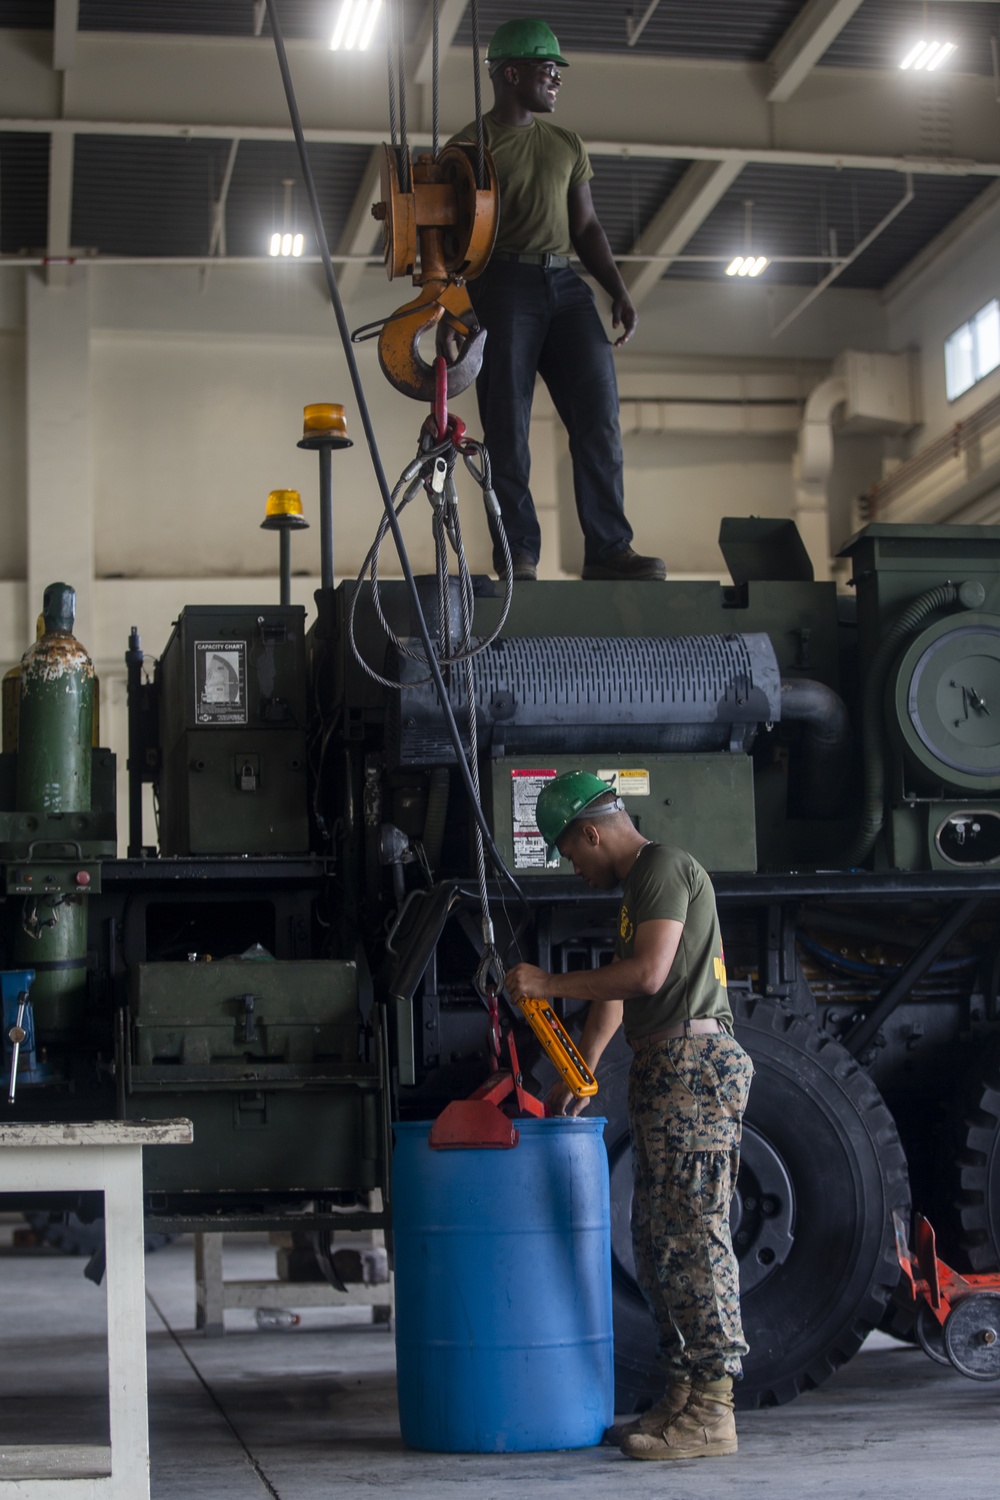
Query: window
point(973, 350)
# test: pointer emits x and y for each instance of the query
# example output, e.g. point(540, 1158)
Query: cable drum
point(946, 693)
point(560, 694)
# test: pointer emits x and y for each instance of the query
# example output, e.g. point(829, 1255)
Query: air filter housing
point(560, 693)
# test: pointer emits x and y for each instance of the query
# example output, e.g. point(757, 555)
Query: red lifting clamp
point(477, 1123)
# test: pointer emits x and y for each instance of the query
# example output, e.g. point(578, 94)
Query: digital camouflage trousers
point(686, 1099)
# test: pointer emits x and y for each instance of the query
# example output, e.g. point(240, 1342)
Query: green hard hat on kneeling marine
point(525, 38)
point(562, 800)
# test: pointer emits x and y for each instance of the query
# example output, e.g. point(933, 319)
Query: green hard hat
point(528, 38)
point(561, 800)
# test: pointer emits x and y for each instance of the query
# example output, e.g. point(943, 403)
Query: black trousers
point(545, 322)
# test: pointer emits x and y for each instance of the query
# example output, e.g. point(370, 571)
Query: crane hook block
point(443, 199)
point(441, 232)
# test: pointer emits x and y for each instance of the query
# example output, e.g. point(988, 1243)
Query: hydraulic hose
point(826, 738)
point(369, 430)
point(872, 707)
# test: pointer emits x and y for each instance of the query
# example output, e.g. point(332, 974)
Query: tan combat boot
point(705, 1428)
point(656, 1418)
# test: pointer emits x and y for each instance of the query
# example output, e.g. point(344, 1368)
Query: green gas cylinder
point(11, 690)
point(54, 736)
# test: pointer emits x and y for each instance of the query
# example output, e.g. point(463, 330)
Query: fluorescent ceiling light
point(364, 41)
point(341, 26)
point(947, 49)
point(355, 25)
point(748, 265)
point(286, 244)
point(907, 62)
point(927, 55)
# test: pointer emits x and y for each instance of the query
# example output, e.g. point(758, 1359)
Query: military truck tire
point(822, 1171)
point(979, 1175)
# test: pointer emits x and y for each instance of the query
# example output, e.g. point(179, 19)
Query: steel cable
point(435, 82)
point(404, 144)
point(389, 18)
point(369, 430)
point(414, 478)
point(477, 87)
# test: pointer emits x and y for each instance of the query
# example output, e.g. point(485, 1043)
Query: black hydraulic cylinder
point(285, 566)
point(325, 518)
point(133, 663)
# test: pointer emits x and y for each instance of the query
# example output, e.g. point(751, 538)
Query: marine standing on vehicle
point(540, 315)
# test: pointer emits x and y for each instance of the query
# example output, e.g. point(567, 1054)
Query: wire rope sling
point(439, 215)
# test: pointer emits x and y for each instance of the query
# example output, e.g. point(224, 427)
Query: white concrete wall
point(194, 395)
point(680, 486)
point(930, 306)
point(13, 469)
point(195, 390)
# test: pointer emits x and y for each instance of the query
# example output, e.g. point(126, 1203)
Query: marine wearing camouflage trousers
point(686, 1099)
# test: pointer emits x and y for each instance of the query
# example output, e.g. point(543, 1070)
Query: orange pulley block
point(441, 233)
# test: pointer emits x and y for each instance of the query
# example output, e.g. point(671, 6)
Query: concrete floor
point(311, 1412)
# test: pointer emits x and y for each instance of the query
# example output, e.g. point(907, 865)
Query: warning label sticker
point(529, 846)
point(220, 682)
point(627, 783)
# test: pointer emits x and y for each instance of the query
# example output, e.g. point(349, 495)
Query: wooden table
point(104, 1155)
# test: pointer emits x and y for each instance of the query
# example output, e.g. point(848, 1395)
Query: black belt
point(548, 261)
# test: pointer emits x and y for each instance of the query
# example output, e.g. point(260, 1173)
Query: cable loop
point(447, 531)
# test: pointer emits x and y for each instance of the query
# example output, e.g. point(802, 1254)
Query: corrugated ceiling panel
point(310, 20)
point(299, 18)
point(256, 197)
point(730, 29)
point(740, 30)
point(938, 200)
point(24, 192)
point(141, 195)
point(27, 15)
point(149, 196)
point(882, 32)
point(627, 193)
point(821, 211)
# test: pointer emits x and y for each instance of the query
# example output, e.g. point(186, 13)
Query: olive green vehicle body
point(290, 965)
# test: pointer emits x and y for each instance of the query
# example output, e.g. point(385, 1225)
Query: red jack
point(958, 1320)
point(478, 1123)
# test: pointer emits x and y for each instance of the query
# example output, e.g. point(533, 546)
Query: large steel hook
point(399, 342)
point(452, 224)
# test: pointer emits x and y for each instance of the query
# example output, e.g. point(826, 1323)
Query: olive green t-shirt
point(536, 164)
point(668, 884)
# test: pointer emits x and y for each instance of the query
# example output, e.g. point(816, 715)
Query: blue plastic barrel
point(503, 1290)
